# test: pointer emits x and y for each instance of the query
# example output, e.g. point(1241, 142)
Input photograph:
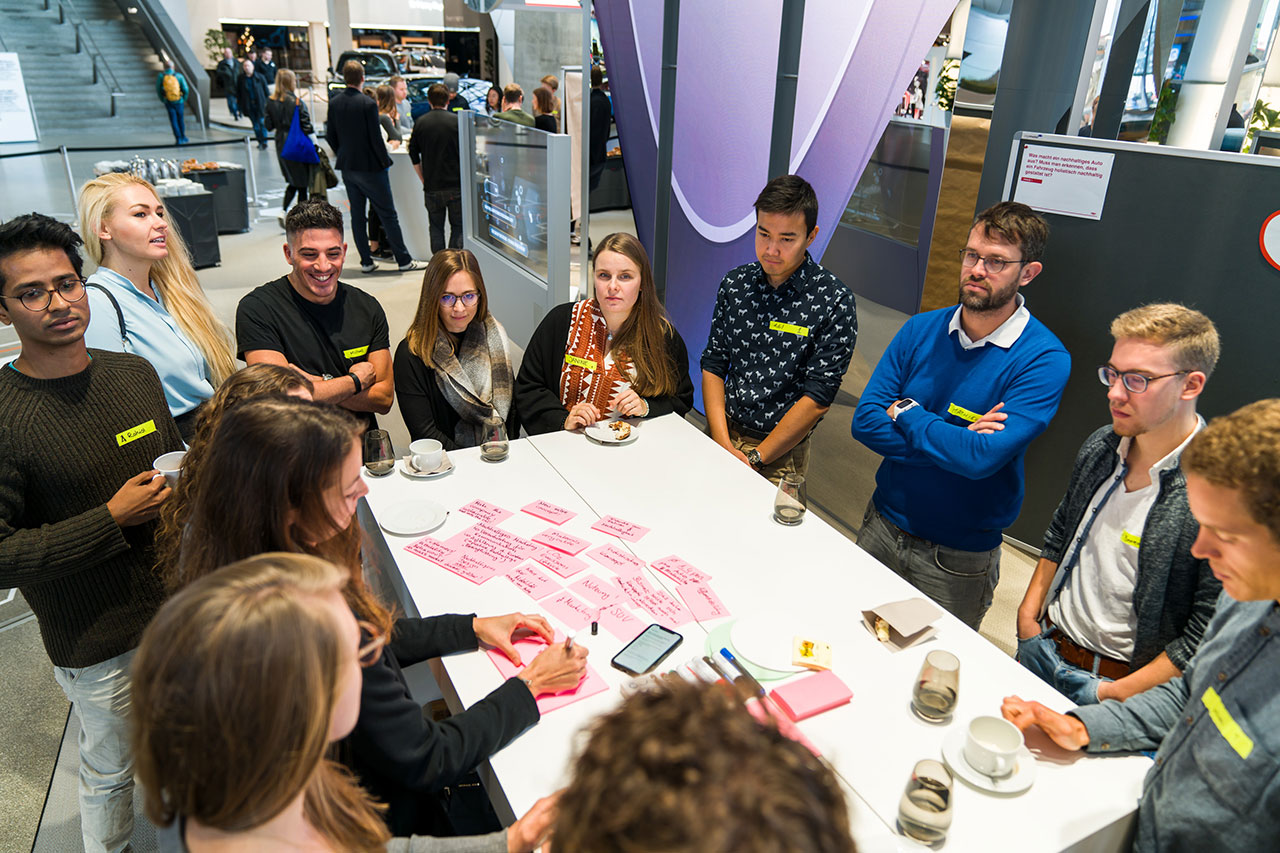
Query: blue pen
point(755, 685)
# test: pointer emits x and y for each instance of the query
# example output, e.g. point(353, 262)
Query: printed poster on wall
point(16, 123)
point(1069, 181)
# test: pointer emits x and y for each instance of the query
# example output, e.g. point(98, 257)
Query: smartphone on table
point(647, 650)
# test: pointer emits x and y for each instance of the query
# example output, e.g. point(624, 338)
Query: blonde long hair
point(286, 84)
point(173, 277)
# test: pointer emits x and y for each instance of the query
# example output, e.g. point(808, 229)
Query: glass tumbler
point(934, 696)
point(924, 812)
point(379, 458)
point(789, 503)
point(495, 446)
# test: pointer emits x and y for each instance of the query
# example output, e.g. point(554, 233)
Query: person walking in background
point(280, 109)
point(544, 110)
point(265, 67)
point(145, 296)
point(251, 91)
point(171, 88)
point(433, 148)
point(228, 72)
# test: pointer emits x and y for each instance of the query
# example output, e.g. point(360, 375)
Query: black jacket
point(601, 119)
point(228, 72)
point(280, 119)
point(537, 393)
point(401, 757)
point(353, 134)
point(251, 94)
point(434, 144)
point(426, 412)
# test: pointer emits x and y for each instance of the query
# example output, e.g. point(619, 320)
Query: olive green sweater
point(65, 450)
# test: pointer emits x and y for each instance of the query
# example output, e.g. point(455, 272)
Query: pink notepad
point(811, 695)
point(529, 647)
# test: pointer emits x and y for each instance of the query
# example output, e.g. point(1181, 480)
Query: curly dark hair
point(312, 213)
point(1242, 451)
point(33, 231)
point(686, 768)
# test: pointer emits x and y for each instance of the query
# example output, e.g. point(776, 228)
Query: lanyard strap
point(1067, 566)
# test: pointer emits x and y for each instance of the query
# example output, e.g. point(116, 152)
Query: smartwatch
point(903, 405)
point(753, 456)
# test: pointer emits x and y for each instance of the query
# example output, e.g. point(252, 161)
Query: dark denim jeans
point(440, 202)
point(177, 121)
point(375, 188)
point(260, 129)
point(1040, 655)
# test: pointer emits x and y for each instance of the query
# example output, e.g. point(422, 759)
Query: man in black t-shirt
point(334, 334)
point(433, 149)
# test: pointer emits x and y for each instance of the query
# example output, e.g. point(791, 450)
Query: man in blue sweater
point(952, 406)
point(1216, 728)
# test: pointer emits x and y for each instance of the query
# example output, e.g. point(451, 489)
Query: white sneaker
point(412, 265)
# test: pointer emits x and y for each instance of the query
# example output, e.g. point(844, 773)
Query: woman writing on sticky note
point(616, 353)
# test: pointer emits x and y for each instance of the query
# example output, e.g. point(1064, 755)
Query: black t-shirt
point(324, 340)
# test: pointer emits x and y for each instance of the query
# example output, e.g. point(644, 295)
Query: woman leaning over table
point(454, 366)
point(227, 759)
point(283, 474)
point(617, 352)
point(145, 298)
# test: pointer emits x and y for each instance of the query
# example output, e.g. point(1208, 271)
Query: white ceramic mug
point(170, 465)
point(427, 454)
point(991, 745)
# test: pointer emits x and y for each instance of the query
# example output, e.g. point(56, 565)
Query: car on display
point(473, 91)
point(380, 65)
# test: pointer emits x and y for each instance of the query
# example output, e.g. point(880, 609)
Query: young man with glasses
point(1118, 603)
point(79, 430)
point(952, 406)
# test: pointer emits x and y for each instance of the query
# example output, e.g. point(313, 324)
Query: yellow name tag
point(1227, 726)
point(963, 413)
point(585, 363)
point(802, 331)
point(355, 353)
point(1129, 539)
point(134, 433)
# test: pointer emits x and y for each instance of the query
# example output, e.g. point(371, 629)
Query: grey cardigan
point(1175, 594)
point(170, 840)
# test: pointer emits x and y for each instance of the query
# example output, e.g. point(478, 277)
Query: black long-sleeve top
point(426, 412)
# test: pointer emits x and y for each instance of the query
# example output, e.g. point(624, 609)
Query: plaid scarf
point(476, 379)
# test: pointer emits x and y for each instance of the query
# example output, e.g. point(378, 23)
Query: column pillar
point(1213, 73)
point(339, 28)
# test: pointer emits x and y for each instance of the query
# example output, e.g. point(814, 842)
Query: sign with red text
point(1068, 181)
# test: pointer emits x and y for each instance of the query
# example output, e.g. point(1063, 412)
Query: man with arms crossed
point(78, 498)
point(1216, 727)
point(332, 333)
point(1117, 603)
point(782, 333)
point(952, 406)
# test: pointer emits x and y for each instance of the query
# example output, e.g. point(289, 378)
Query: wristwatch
point(753, 456)
point(903, 405)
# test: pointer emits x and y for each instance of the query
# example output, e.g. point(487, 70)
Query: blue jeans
point(963, 582)
point(177, 120)
point(1040, 655)
point(100, 694)
point(233, 106)
point(375, 188)
point(259, 128)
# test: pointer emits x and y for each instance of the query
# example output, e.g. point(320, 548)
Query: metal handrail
point(95, 53)
point(193, 90)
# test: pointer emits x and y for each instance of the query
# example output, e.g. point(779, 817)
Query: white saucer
point(404, 466)
point(412, 518)
point(601, 434)
point(1024, 769)
point(766, 642)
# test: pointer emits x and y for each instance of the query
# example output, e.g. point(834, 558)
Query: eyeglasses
point(468, 299)
point(1136, 383)
point(371, 649)
point(39, 298)
point(969, 258)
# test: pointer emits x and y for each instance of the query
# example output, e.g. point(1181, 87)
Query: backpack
point(172, 88)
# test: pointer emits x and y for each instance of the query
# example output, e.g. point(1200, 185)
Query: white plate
point(601, 434)
point(412, 518)
point(403, 466)
point(766, 642)
point(1024, 769)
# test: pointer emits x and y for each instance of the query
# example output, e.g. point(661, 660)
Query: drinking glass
point(495, 446)
point(379, 458)
point(789, 503)
point(924, 812)
point(934, 696)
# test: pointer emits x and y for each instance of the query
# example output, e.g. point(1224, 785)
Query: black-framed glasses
point(39, 298)
point(969, 258)
point(468, 299)
point(1135, 383)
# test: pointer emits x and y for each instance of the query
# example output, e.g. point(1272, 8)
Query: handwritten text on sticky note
point(615, 526)
point(549, 512)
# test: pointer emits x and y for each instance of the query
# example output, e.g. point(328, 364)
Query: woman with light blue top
point(145, 298)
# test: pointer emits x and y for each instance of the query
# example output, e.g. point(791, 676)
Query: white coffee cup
point(427, 454)
point(991, 745)
point(170, 465)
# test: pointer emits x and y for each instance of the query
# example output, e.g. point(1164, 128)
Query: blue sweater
point(939, 480)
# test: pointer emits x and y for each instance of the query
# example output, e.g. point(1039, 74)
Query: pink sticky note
point(549, 512)
point(665, 609)
point(529, 647)
point(612, 557)
point(680, 571)
point(562, 541)
point(486, 512)
point(431, 549)
point(595, 591)
point(569, 610)
point(465, 565)
point(619, 621)
point(615, 526)
point(532, 582)
point(703, 603)
point(501, 549)
point(562, 564)
point(634, 589)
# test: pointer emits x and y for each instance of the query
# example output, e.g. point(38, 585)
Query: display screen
point(644, 652)
point(510, 186)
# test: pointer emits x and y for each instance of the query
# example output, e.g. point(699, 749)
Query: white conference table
point(716, 513)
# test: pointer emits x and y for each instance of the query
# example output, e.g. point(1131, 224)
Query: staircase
point(69, 104)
